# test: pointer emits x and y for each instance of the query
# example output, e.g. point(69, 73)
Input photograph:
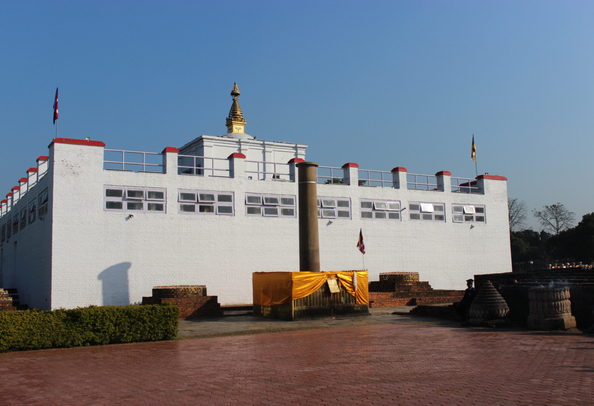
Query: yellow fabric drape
point(276, 288)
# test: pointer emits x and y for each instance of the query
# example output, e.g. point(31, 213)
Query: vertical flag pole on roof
point(56, 112)
point(473, 155)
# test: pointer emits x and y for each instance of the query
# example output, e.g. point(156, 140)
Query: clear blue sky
point(379, 83)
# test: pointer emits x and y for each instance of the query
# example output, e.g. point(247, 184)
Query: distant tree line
point(557, 240)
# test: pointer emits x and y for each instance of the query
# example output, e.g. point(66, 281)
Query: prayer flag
point(360, 243)
point(472, 153)
point(56, 107)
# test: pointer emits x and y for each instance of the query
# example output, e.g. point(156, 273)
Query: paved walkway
point(386, 360)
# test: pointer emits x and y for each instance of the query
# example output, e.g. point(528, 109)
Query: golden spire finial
point(235, 121)
point(235, 90)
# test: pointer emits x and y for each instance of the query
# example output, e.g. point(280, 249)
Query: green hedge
point(94, 325)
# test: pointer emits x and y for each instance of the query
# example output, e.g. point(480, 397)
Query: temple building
point(88, 225)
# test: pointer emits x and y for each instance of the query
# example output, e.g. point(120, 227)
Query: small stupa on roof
point(235, 120)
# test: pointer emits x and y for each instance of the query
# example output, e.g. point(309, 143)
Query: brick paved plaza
point(381, 364)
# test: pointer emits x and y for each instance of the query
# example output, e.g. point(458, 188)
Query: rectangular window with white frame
point(23, 218)
point(380, 209)
point(334, 208)
point(32, 211)
point(206, 202)
point(426, 211)
point(134, 199)
point(270, 205)
point(464, 213)
point(15, 224)
point(43, 203)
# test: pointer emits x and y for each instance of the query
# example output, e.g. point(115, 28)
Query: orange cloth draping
point(276, 288)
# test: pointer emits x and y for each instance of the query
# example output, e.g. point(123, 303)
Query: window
point(3, 237)
point(15, 224)
point(462, 213)
point(42, 200)
point(9, 229)
point(134, 199)
point(32, 211)
point(427, 211)
point(334, 208)
point(380, 209)
point(270, 205)
point(23, 218)
point(203, 202)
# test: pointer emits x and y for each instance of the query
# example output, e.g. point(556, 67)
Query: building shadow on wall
point(115, 285)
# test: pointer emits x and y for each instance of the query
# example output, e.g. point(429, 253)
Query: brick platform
point(192, 301)
point(404, 289)
point(384, 364)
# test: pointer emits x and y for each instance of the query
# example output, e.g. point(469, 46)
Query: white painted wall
point(99, 257)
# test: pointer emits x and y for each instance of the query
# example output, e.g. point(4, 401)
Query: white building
point(90, 225)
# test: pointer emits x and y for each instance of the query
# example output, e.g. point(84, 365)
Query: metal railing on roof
point(134, 161)
point(268, 170)
point(421, 182)
point(202, 166)
point(330, 175)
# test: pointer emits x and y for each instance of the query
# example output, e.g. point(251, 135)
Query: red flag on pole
point(472, 152)
point(56, 107)
point(360, 243)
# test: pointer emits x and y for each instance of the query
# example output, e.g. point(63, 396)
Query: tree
point(554, 218)
point(517, 214)
point(576, 243)
point(529, 245)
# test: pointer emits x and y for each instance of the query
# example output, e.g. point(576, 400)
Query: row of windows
point(26, 216)
point(222, 203)
point(391, 210)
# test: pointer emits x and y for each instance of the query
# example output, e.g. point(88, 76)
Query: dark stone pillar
point(309, 243)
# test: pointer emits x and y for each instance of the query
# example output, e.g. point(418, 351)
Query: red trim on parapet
point(4, 201)
point(25, 180)
point(73, 141)
point(16, 188)
point(8, 194)
point(296, 160)
point(171, 149)
point(442, 173)
point(492, 177)
point(350, 165)
point(42, 158)
point(31, 170)
point(399, 169)
point(236, 155)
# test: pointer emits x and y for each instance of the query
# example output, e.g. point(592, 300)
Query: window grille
point(206, 202)
point(462, 213)
point(380, 209)
point(134, 199)
point(334, 208)
point(426, 211)
point(270, 205)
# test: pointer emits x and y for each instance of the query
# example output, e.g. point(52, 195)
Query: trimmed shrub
point(94, 325)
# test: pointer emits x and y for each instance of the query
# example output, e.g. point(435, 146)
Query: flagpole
point(56, 128)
